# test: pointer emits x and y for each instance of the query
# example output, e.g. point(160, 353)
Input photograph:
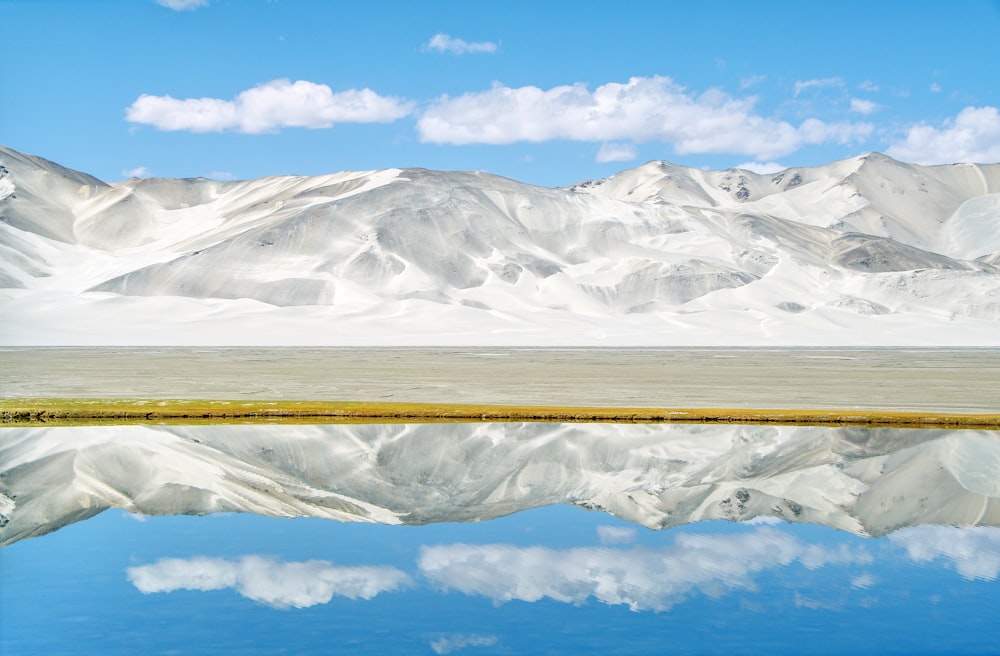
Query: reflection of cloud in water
point(276, 584)
point(642, 578)
point(616, 534)
point(974, 551)
point(449, 643)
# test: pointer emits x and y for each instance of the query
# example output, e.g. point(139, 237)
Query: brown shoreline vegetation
point(34, 412)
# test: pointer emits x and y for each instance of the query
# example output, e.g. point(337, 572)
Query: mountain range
point(866, 250)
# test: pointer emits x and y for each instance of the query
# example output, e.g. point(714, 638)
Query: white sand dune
point(870, 482)
point(861, 251)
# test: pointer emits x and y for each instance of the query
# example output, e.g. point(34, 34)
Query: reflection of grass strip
point(136, 411)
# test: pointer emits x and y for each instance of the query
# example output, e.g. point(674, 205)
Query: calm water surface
point(498, 538)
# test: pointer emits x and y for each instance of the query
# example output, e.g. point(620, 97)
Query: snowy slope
point(863, 251)
point(868, 482)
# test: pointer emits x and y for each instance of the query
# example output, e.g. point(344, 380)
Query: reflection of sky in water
point(555, 580)
point(541, 578)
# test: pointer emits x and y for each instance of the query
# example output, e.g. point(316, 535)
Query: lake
point(498, 538)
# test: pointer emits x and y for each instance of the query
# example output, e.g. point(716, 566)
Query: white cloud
point(450, 643)
point(973, 551)
point(616, 152)
point(276, 584)
point(802, 85)
point(221, 175)
point(862, 106)
point(863, 581)
point(868, 85)
point(445, 43)
point(137, 172)
point(643, 579)
point(815, 131)
point(972, 136)
point(616, 534)
point(643, 109)
point(182, 5)
point(935, 87)
point(268, 107)
point(763, 168)
point(752, 81)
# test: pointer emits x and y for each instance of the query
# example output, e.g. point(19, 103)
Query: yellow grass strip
point(20, 412)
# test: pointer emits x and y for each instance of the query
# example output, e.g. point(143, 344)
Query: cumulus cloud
point(971, 136)
point(815, 131)
point(763, 168)
point(137, 172)
point(862, 106)
point(276, 584)
point(802, 85)
point(182, 5)
point(643, 109)
point(973, 551)
point(444, 43)
point(616, 152)
point(641, 578)
point(449, 643)
point(268, 107)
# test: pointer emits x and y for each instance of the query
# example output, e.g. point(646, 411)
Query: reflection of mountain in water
point(865, 481)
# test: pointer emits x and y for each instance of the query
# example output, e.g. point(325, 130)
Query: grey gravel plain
point(905, 379)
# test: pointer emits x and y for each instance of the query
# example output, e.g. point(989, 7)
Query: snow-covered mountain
point(862, 251)
point(870, 482)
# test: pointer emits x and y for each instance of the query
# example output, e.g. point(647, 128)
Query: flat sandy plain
point(942, 380)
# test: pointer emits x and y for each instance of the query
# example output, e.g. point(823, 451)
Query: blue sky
point(545, 92)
